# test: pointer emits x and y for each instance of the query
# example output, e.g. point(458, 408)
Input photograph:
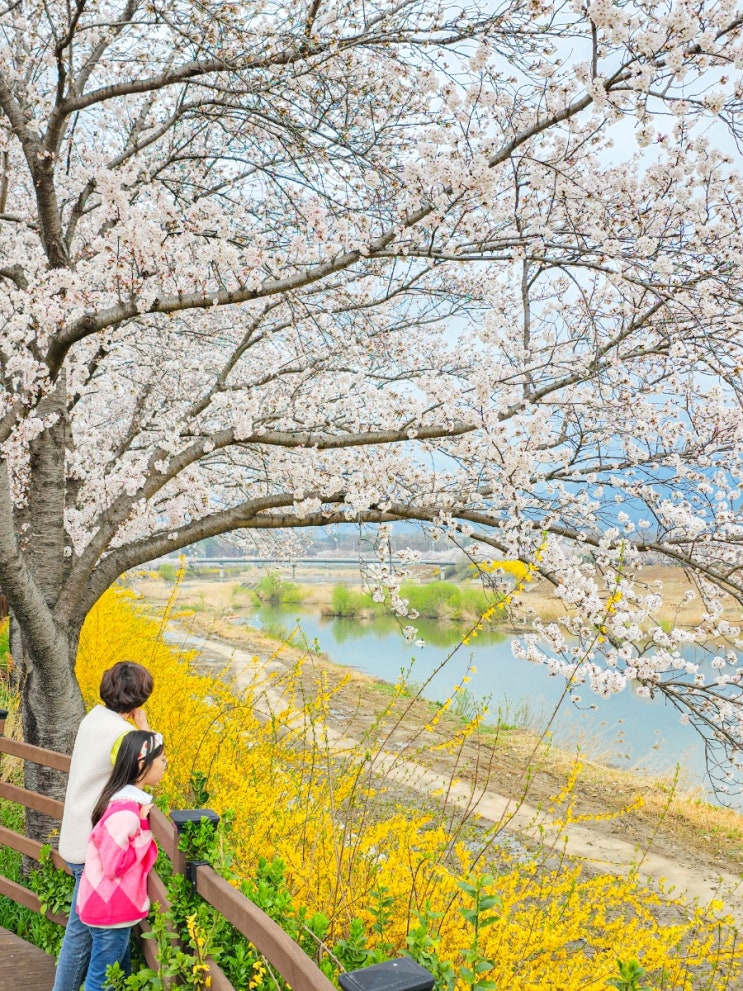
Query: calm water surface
point(626, 730)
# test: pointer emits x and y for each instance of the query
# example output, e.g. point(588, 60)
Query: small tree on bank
point(278, 265)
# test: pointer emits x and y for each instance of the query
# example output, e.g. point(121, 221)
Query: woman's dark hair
point(129, 765)
point(126, 686)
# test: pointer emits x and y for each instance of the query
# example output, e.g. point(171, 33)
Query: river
point(625, 731)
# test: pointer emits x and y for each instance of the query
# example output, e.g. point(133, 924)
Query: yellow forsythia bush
point(266, 756)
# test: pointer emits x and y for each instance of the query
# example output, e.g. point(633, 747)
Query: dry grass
point(539, 599)
point(11, 768)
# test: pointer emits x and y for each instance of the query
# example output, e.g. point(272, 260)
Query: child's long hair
point(137, 751)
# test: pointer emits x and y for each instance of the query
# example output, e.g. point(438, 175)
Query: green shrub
point(445, 600)
point(345, 601)
point(435, 600)
point(273, 589)
point(53, 887)
point(475, 601)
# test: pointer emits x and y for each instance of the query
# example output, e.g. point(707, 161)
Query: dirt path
point(666, 850)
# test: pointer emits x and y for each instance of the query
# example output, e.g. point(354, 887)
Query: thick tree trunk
point(14, 643)
point(51, 710)
point(47, 493)
point(44, 654)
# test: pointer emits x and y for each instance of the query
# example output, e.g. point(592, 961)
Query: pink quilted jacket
point(121, 852)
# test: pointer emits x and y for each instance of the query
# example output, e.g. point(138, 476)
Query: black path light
point(180, 819)
point(403, 974)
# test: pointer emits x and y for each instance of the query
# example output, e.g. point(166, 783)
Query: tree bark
point(51, 702)
point(47, 495)
point(48, 686)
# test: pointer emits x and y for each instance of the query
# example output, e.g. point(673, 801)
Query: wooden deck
point(24, 965)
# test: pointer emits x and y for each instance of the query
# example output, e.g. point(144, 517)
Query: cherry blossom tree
point(270, 265)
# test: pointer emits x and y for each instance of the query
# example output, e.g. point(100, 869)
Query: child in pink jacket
point(121, 851)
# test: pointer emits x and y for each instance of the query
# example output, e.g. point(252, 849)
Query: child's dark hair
point(137, 751)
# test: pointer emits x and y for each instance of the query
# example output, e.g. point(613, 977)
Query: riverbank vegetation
point(366, 867)
point(521, 596)
point(275, 590)
point(351, 604)
point(442, 601)
point(439, 600)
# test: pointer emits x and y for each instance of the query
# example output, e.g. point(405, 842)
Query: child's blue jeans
point(72, 965)
point(108, 946)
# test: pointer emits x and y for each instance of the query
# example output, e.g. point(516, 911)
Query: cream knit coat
point(89, 771)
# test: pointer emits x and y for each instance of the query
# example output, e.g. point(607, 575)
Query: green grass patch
point(4, 645)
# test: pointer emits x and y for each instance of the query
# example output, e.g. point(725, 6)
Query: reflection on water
point(433, 634)
point(625, 730)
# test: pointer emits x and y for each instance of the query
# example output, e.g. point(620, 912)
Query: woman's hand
point(144, 810)
point(139, 718)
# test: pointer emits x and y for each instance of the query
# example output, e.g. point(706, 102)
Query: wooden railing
point(282, 953)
